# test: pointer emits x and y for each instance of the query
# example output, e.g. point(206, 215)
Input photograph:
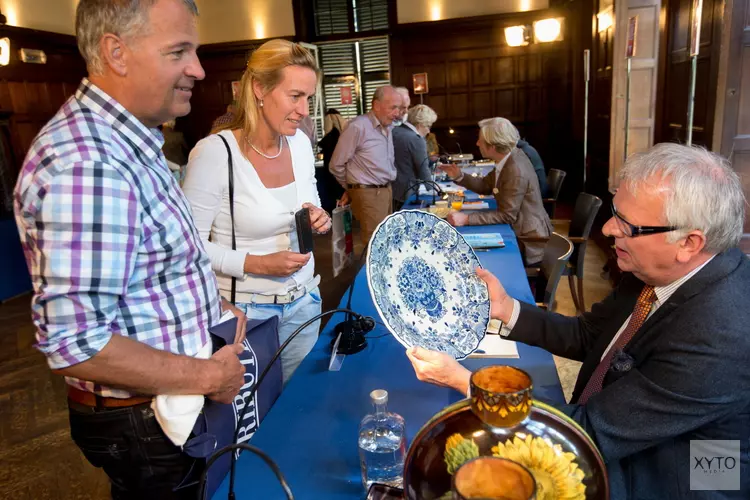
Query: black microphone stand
point(364, 319)
point(437, 189)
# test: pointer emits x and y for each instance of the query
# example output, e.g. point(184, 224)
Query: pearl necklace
point(281, 148)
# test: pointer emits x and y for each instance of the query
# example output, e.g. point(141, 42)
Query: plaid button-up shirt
point(109, 239)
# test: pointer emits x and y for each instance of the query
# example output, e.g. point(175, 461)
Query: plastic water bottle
point(382, 444)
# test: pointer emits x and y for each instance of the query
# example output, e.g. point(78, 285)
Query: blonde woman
point(328, 187)
point(274, 177)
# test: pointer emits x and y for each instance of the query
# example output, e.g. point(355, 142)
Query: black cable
point(234, 446)
point(437, 189)
point(262, 377)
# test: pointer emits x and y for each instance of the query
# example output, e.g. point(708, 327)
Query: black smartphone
point(379, 491)
point(304, 231)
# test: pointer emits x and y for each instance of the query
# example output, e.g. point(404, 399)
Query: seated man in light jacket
point(514, 185)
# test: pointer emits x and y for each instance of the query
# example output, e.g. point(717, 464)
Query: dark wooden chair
point(584, 213)
point(547, 275)
point(555, 179)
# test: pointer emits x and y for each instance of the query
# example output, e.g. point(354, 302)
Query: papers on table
point(495, 346)
point(484, 240)
point(475, 205)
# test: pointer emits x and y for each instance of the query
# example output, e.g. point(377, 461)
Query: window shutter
point(370, 15)
point(331, 17)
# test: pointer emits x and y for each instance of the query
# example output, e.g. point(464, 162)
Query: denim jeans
point(140, 460)
point(291, 316)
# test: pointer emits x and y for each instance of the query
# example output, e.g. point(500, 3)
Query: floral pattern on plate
point(422, 280)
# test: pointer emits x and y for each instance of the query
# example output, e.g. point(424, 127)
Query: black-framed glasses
point(631, 230)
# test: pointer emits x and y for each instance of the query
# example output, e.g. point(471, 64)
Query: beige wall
point(232, 20)
point(220, 20)
point(415, 11)
point(48, 15)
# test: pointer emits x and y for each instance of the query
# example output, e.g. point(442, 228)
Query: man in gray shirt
point(363, 161)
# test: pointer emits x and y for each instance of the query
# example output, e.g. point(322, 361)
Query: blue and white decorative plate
point(422, 279)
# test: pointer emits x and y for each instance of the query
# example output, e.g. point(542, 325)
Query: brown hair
point(265, 67)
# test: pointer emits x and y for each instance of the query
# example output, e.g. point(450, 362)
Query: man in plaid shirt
point(124, 292)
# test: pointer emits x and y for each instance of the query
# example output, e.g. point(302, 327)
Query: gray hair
point(421, 114)
point(379, 93)
point(702, 192)
point(403, 91)
point(124, 18)
point(500, 133)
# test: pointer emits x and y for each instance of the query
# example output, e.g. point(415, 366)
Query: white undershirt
point(287, 196)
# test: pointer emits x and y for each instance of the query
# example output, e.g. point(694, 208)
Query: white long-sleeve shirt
point(264, 224)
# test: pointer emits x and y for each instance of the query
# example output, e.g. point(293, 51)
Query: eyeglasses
point(632, 231)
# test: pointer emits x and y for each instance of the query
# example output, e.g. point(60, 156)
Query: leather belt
point(287, 298)
point(367, 186)
point(86, 398)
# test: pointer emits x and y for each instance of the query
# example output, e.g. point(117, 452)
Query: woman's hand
point(320, 221)
point(239, 335)
point(280, 264)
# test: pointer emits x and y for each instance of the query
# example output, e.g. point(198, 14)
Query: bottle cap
point(379, 396)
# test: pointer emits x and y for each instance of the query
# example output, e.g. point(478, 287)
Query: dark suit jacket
point(412, 161)
point(519, 202)
point(537, 163)
point(690, 377)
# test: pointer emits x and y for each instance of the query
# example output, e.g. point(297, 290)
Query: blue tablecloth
point(14, 279)
point(311, 432)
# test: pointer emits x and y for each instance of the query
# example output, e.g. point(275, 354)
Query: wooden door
point(735, 138)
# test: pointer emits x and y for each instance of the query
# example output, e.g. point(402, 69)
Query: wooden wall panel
point(484, 77)
point(30, 94)
point(481, 104)
point(505, 70)
point(458, 74)
point(480, 72)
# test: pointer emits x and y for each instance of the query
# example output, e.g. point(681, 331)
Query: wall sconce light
point(517, 36)
point(548, 30)
point(604, 20)
point(451, 131)
point(4, 51)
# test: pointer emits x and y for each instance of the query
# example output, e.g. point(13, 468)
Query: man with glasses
point(665, 354)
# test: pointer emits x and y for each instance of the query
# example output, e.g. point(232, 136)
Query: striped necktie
point(642, 308)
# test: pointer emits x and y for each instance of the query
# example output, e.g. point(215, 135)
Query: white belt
point(287, 298)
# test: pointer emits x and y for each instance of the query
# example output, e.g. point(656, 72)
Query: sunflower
point(459, 450)
point(557, 476)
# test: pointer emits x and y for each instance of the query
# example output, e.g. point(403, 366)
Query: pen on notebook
point(480, 351)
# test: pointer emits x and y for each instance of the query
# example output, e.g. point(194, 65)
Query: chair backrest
point(584, 214)
point(556, 255)
point(555, 179)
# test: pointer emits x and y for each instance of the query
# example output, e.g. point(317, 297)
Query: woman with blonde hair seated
point(273, 177)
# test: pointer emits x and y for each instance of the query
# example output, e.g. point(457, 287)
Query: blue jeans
point(291, 316)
